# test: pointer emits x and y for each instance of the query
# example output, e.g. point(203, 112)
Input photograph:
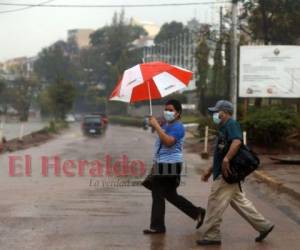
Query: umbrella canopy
point(150, 81)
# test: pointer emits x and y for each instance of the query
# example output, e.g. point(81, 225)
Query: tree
point(3, 95)
point(227, 68)
point(112, 51)
point(275, 22)
point(54, 63)
point(218, 70)
point(20, 95)
point(202, 56)
point(58, 98)
point(168, 31)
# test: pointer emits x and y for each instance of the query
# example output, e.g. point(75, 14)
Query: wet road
point(83, 212)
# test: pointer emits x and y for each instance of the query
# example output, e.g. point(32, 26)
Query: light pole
point(234, 53)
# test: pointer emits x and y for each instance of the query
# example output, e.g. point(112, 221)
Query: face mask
point(169, 116)
point(216, 118)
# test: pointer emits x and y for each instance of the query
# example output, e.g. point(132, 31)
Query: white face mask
point(169, 116)
point(216, 118)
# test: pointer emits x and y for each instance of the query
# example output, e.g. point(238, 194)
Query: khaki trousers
point(222, 194)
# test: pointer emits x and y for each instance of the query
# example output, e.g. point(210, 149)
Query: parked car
point(70, 118)
point(92, 125)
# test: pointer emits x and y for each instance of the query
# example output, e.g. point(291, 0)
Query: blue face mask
point(169, 116)
point(216, 118)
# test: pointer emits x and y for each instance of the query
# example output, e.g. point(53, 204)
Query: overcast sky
point(24, 33)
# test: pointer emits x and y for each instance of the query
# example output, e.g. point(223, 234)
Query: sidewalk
point(283, 177)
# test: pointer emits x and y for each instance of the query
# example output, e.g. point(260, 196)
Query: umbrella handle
point(150, 101)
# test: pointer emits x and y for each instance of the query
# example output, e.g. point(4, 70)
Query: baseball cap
point(222, 105)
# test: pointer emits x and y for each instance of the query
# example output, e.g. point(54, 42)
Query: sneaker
point(208, 242)
point(200, 218)
point(263, 235)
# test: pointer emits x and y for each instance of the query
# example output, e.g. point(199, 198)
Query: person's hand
point(205, 176)
point(226, 167)
point(153, 122)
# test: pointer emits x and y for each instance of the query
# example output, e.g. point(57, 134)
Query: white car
point(70, 118)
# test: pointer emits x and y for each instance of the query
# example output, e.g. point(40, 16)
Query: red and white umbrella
point(148, 81)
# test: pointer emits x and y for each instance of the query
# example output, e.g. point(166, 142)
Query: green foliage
point(273, 21)
point(44, 102)
point(190, 118)
point(54, 63)
point(269, 125)
point(203, 122)
point(126, 120)
point(58, 99)
point(112, 52)
point(3, 95)
point(2, 85)
point(56, 126)
point(218, 88)
point(20, 95)
point(227, 81)
point(169, 31)
point(202, 57)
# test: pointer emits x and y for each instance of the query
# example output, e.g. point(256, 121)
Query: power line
point(24, 8)
point(110, 5)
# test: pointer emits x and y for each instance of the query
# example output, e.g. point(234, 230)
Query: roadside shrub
point(56, 126)
point(269, 125)
point(190, 118)
point(126, 120)
point(206, 121)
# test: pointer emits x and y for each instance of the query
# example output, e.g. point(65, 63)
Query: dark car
point(92, 125)
point(104, 118)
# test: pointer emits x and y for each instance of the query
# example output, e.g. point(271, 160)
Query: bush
point(206, 121)
point(190, 118)
point(56, 126)
point(126, 120)
point(269, 125)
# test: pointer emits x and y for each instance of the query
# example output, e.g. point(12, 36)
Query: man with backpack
point(222, 193)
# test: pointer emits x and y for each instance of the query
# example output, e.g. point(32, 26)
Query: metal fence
point(179, 51)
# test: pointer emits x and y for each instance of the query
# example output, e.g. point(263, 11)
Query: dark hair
point(176, 104)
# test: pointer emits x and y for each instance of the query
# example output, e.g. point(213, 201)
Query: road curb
point(275, 184)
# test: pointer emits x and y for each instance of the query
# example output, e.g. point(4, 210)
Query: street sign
point(270, 71)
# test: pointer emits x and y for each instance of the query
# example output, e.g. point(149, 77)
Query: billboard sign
point(270, 71)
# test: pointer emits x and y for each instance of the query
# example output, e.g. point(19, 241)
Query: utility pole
point(221, 22)
point(234, 54)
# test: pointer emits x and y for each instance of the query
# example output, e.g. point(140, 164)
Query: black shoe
point(263, 235)
point(200, 218)
point(152, 231)
point(208, 242)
